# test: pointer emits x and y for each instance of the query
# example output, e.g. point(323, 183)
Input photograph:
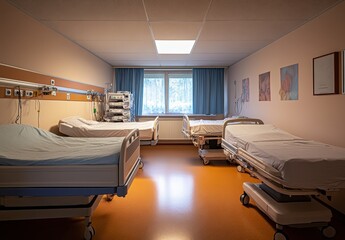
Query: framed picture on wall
point(326, 74)
point(265, 87)
point(289, 82)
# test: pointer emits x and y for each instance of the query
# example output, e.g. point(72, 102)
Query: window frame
point(166, 86)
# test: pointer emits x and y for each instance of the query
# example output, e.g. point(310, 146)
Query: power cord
point(38, 109)
point(19, 114)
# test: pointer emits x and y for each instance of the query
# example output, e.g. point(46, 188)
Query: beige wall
point(320, 118)
point(43, 114)
point(27, 44)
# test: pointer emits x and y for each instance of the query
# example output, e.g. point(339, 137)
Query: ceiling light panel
point(174, 46)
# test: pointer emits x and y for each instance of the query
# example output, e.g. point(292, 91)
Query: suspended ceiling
point(122, 32)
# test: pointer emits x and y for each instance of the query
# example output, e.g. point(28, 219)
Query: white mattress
point(79, 127)
point(301, 163)
point(206, 127)
point(23, 145)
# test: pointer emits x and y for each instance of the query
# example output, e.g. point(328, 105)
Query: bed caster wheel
point(141, 164)
point(328, 232)
point(244, 198)
point(279, 235)
point(89, 233)
point(240, 169)
point(109, 197)
point(206, 162)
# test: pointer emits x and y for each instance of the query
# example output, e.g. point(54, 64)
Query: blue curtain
point(132, 80)
point(208, 90)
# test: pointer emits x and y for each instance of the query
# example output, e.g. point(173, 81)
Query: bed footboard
point(129, 161)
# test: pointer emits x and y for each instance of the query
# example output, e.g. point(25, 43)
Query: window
point(167, 92)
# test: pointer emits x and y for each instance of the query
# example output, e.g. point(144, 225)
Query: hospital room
point(172, 119)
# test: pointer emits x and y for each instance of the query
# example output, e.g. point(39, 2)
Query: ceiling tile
point(176, 10)
point(246, 30)
point(129, 56)
point(102, 30)
point(208, 63)
point(83, 10)
point(228, 46)
point(119, 46)
point(170, 57)
point(134, 63)
point(175, 30)
point(217, 57)
point(267, 9)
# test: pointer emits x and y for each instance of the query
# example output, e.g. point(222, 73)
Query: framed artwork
point(326, 74)
point(289, 82)
point(245, 90)
point(265, 87)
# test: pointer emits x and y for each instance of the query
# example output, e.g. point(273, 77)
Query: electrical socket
point(16, 92)
point(68, 95)
point(52, 82)
point(29, 93)
point(8, 92)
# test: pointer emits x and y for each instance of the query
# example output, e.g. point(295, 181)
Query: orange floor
point(175, 197)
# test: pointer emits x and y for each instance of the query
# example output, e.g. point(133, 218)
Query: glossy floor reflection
point(175, 197)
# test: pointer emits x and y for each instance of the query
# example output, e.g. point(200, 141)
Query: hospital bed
point(79, 127)
point(43, 175)
point(292, 170)
point(206, 135)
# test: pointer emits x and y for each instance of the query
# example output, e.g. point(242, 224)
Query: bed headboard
point(241, 121)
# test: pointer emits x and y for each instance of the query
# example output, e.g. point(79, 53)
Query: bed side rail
point(241, 121)
point(130, 155)
point(186, 124)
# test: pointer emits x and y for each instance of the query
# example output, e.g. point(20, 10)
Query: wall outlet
point(8, 92)
point(68, 95)
point(16, 92)
point(29, 93)
point(52, 82)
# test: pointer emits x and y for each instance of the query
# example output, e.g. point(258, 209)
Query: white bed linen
point(23, 145)
point(206, 127)
point(79, 127)
point(241, 135)
point(301, 163)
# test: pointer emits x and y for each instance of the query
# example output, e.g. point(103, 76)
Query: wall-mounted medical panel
point(36, 85)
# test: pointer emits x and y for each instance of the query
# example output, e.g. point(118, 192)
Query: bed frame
point(155, 134)
point(202, 142)
point(147, 140)
point(33, 192)
point(284, 205)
